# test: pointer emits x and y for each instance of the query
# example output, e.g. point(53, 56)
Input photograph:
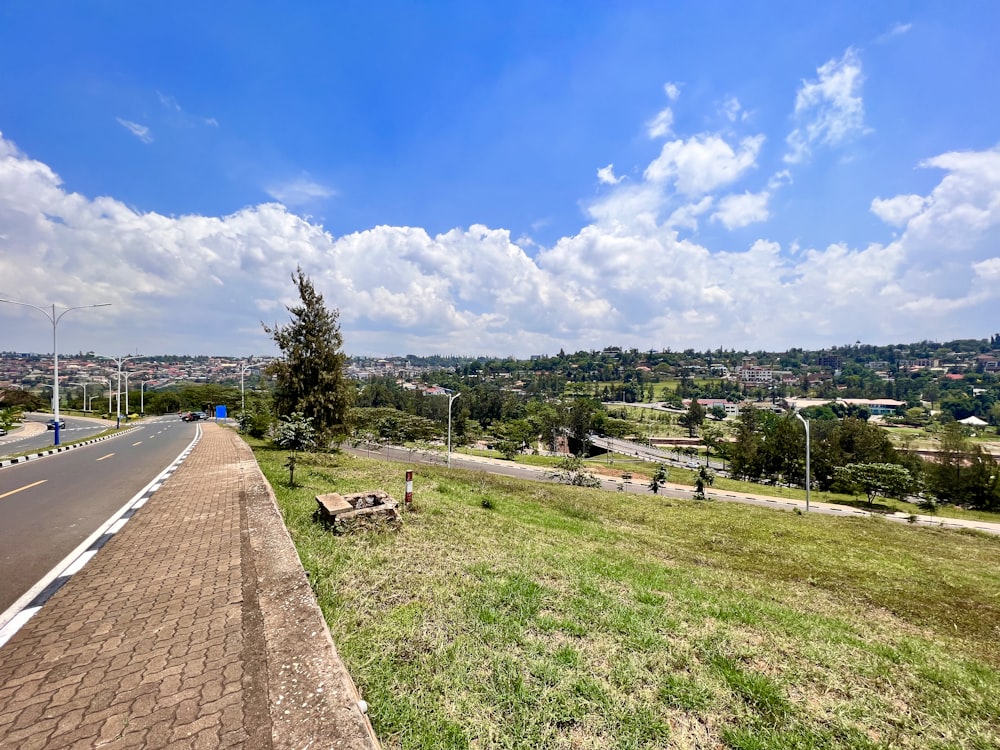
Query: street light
point(134, 372)
point(84, 393)
point(451, 398)
point(243, 401)
point(90, 404)
point(806, 423)
point(118, 394)
point(54, 319)
point(142, 397)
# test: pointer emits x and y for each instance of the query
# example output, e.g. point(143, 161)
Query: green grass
point(511, 614)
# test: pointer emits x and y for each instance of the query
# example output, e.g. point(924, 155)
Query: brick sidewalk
point(194, 627)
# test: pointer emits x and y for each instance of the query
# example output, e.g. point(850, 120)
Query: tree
point(694, 417)
point(571, 471)
point(9, 416)
point(658, 479)
point(256, 419)
point(310, 378)
point(887, 480)
point(705, 477)
point(296, 433)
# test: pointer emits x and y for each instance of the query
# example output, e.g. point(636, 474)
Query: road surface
point(49, 506)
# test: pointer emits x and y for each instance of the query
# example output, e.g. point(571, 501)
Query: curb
point(62, 448)
point(311, 695)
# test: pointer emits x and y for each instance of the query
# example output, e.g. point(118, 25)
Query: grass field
point(509, 614)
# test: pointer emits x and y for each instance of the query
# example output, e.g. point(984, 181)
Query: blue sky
point(486, 178)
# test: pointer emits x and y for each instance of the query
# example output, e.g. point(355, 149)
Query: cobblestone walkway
point(158, 642)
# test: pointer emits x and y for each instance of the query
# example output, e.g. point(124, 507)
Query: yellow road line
point(22, 489)
point(135, 444)
point(107, 456)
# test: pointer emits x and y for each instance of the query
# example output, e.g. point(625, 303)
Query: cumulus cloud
point(828, 111)
point(899, 210)
point(671, 90)
point(703, 163)
point(139, 131)
point(742, 210)
point(202, 284)
point(606, 175)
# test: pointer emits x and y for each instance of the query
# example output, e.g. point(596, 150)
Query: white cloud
point(660, 125)
point(168, 101)
point(703, 163)
point(200, 284)
point(139, 131)
point(299, 192)
point(828, 111)
point(742, 210)
point(671, 90)
point(733, 111)
point(779, 179)
point(899, 210)
point(686, 217)
point(606, 175)
point(897, 30)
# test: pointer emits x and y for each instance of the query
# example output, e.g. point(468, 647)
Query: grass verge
point(510, 614)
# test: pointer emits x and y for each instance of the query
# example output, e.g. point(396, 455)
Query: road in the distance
point(75, 429)
point(48, 507)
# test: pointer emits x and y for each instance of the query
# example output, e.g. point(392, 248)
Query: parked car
point(51, 424)
point(2, 432)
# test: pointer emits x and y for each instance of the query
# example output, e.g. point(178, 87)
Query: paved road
point(76, 429)
point(50, 506)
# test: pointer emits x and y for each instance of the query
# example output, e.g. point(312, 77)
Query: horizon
point(512, 180)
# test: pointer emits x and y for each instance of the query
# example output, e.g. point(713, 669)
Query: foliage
point(258, 416)
point(571, 471)
point(310, 378)
point(694, 417)
point(658, 479)
point(887, 480)
point(26, 400)
point(9, 416)
point(295, 432)
point(392, 425)
point(963, 474)
point(704, 477)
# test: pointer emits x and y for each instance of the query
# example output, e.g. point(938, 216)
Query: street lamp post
point(84, 393)
point(805, 422)
point(54, 319)
point(118, 394)
point(142, 397)
point(243, 401)
point(127, 374)
point(90, 403)
point(451, 399)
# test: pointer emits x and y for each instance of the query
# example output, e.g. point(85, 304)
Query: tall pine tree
point(310, 377)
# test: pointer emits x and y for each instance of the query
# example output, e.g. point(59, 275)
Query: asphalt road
point(75, 429)
point(50, 506)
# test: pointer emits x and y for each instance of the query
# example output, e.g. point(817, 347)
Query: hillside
point(514, 614)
